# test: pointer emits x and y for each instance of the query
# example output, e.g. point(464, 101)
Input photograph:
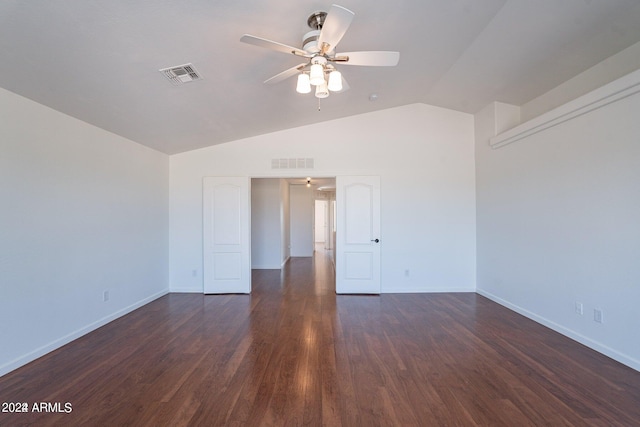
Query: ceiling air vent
point(181, 74)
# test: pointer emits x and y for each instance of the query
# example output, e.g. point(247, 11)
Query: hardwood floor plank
point(294, 353)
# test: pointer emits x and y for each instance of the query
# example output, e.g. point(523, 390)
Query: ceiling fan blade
point(370, 58)
point(269, 44)
point(335, 25)
point(286, 74)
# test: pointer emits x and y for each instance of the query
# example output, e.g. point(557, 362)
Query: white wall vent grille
point(181, 74)
point(292, 164)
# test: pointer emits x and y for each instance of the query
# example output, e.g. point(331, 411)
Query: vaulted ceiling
point(98, 60)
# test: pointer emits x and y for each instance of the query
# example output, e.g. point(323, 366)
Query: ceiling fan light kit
point(316, 75)
point(304, 85)
point(322, 91)
point(318, 48)
point(335, 81)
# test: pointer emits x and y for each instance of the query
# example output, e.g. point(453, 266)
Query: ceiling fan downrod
point(316, 20)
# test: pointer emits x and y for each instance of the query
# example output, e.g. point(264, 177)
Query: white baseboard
point(423, 290)
point(285, 261)
point(53, 345)
point(599, 347)
point(187, 290)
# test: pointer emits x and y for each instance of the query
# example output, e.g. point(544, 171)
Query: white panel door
point(226, 235)
point(358, 235)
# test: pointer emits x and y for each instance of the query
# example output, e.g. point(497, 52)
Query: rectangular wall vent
point(181, 74)
point(292, 164)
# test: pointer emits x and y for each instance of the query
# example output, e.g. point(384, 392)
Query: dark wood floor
point(294, 353)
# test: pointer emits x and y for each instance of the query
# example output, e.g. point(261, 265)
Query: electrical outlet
point(597, 315)
point(194, 273)
point(406, 273)
point(105, 296)
point(579, 308)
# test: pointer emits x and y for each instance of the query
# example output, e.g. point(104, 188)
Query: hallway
point(307, 275)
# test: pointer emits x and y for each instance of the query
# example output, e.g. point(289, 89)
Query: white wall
point(424, 156)
point(301, 220)
point(558, 219)
point(285, 222)
point(266, 234)
point(320, 225)
point(83, 211)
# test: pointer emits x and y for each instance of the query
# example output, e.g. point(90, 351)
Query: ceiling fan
point(320, 58)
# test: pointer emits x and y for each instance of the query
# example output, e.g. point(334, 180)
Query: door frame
point(338, 255)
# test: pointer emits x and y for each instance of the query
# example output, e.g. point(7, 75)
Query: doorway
point(229, 224)
point(321, 226)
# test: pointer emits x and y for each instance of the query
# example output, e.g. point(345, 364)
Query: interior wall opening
point(286, 222)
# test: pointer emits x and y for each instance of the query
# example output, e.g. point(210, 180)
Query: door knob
point(376, 240)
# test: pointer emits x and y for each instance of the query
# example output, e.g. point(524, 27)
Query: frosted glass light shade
point(303, 85)
point(317, 74)
point(335, 81)
point(322, 91)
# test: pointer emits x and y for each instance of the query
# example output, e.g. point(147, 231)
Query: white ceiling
point(98, 60)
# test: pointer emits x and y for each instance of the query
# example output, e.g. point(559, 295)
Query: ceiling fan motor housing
point(310, 41)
